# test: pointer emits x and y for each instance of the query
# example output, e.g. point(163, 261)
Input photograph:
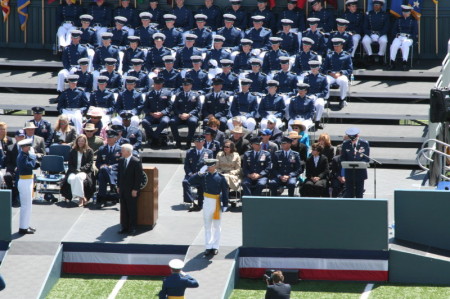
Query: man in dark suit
point(279, 289)
point(107, 159)
point(194, 162)
point(129, 178)
point(358, 150)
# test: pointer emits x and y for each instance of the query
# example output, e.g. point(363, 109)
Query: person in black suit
point(78, 180)
point(10, 164)
point(129, 179)
point(279, 289)
point(317, 172)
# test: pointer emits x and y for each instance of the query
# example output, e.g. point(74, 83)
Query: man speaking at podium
point(358, 150)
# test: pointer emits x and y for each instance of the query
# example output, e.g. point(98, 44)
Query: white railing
point(429, 153)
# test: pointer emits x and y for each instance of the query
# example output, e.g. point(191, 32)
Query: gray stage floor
point(61, 222)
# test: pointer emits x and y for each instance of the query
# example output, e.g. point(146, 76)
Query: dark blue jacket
point(406, 26)
point(213, 183)
point(143, 82)
point(155, 57)
point(204, 37)
point(376, 23)
point(71, 54)
point(146, 35)
point(230, 81)
point(297, 16)
point(260, 38)
point(193, 162)
point(119, 38)
point(301, 61)
point(129, 100)
point(356, 21)
point(327, 19)
point(72, 98)
point(183, 58)
point(185, 19)
point(244, 103)
point(350, 153)
point(102, 14)
point(318, 85)
point(70, 12)
point(290, 42)
point(129, 54)
point(189, 104)
point(44, 130)
point(130, 13)
point(338, 62)
point(114, 83)
point(346, 35)
point(176, 284)
point(259, 83)
point(201, 83)
point(85, 80)
point(301, 107)
point(25, 163)
point(88, 36)
point(101, 53)
point(272, 103)
point(216, 55)
point(286, 166)
point(174, 37)
point(271, 60)
point(158, 102)
point(262, 165)
point(214, 15)
point(241, 15)
point(269, 21)
point(103, 99)
point(288, 81)
point(105, 157)
point(219, 107)
point(319, 41)
point(172, 78)
point(133, 134)
point(232, 36)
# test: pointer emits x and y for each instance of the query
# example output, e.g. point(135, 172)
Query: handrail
point(428, 152)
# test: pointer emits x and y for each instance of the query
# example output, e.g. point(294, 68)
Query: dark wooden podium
point(147, 205)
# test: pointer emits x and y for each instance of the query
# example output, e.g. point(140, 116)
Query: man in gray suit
point(38, 142)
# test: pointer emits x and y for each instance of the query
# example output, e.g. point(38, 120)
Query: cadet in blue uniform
point(201, 82)
point(73, 102)
point(146, 31)
point(101, 53)
point(269, 17)
point(241, 14)
point(216, 54)
point(355, 149)
point(376, 28)
point(157, 13)
point(256, 167)
point(210, 142)
point(85, 78)
point(130, 13)
point(103, 98)
point(204, 34)
point(67, 18)
point(293, 13)
point(271, 104)
point(242, 59)
point(107, 164)
point(301, 107)
point(271, 60)
point(338, 66)
point(70, 56)
point(102, 17)
point(318, 89)
point(143, 81)
point(342, 33)
point(185, 19)
point(326, 16)
point(88, 37)
point(316, 35)
point(259, 34)
point(120, 35)
point(288, 80)
point(259, 79)
point(289, 40)
point(157, 109)
point(230, 79)
point(172, 77)
point(175, 284)
point(43, 127)
point(356, 22)
point(244, 106)
point(286, 168)
point(114, 78)
point(405, 33)
point(130, 132)
point(301, 66)
point(156, 54)
point(193, 163)
point(213, 15)
point(232, 34)
point(174, 36)
point(185, 109)
point(184, 54)
point(216, 104)
point(129, 99)
point(215, 191)
point(26, 162)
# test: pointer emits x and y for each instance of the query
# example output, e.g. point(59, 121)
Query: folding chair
point(52, 174)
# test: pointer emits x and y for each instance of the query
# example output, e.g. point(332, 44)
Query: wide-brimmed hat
point(30, 125)
point(298, 123)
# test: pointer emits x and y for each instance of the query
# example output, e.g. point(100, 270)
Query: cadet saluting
point(215, 189)
point(175, 284)
point(26, 162)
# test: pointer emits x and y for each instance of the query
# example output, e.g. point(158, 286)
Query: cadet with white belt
point(26, 162)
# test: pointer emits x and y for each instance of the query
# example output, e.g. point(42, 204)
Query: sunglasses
point(95, 117)
point(89, 131)
point(226, 147)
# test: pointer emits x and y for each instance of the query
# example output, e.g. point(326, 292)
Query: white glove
point(213, 62)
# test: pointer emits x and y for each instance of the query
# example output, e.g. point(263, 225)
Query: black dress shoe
point(123, 231)
point(32, 228)
point(208, 252)
point(132, 232)
point(25, 231)
point(391, 66)
point(195, 208)
point(318, 125)
point(214, 251)
point(405, 66)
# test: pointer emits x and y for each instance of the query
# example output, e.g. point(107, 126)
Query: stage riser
point(412, 268)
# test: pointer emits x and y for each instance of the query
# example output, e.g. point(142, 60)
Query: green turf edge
point(138, 287)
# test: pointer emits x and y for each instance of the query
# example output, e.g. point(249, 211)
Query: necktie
point(110, 150)
point(286, 155)
point(126, 163)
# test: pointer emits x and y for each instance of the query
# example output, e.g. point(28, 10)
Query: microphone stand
point(375, 162)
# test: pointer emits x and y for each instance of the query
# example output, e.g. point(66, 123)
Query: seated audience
point(317, 172)
point(229, 164)
point(64, 133)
